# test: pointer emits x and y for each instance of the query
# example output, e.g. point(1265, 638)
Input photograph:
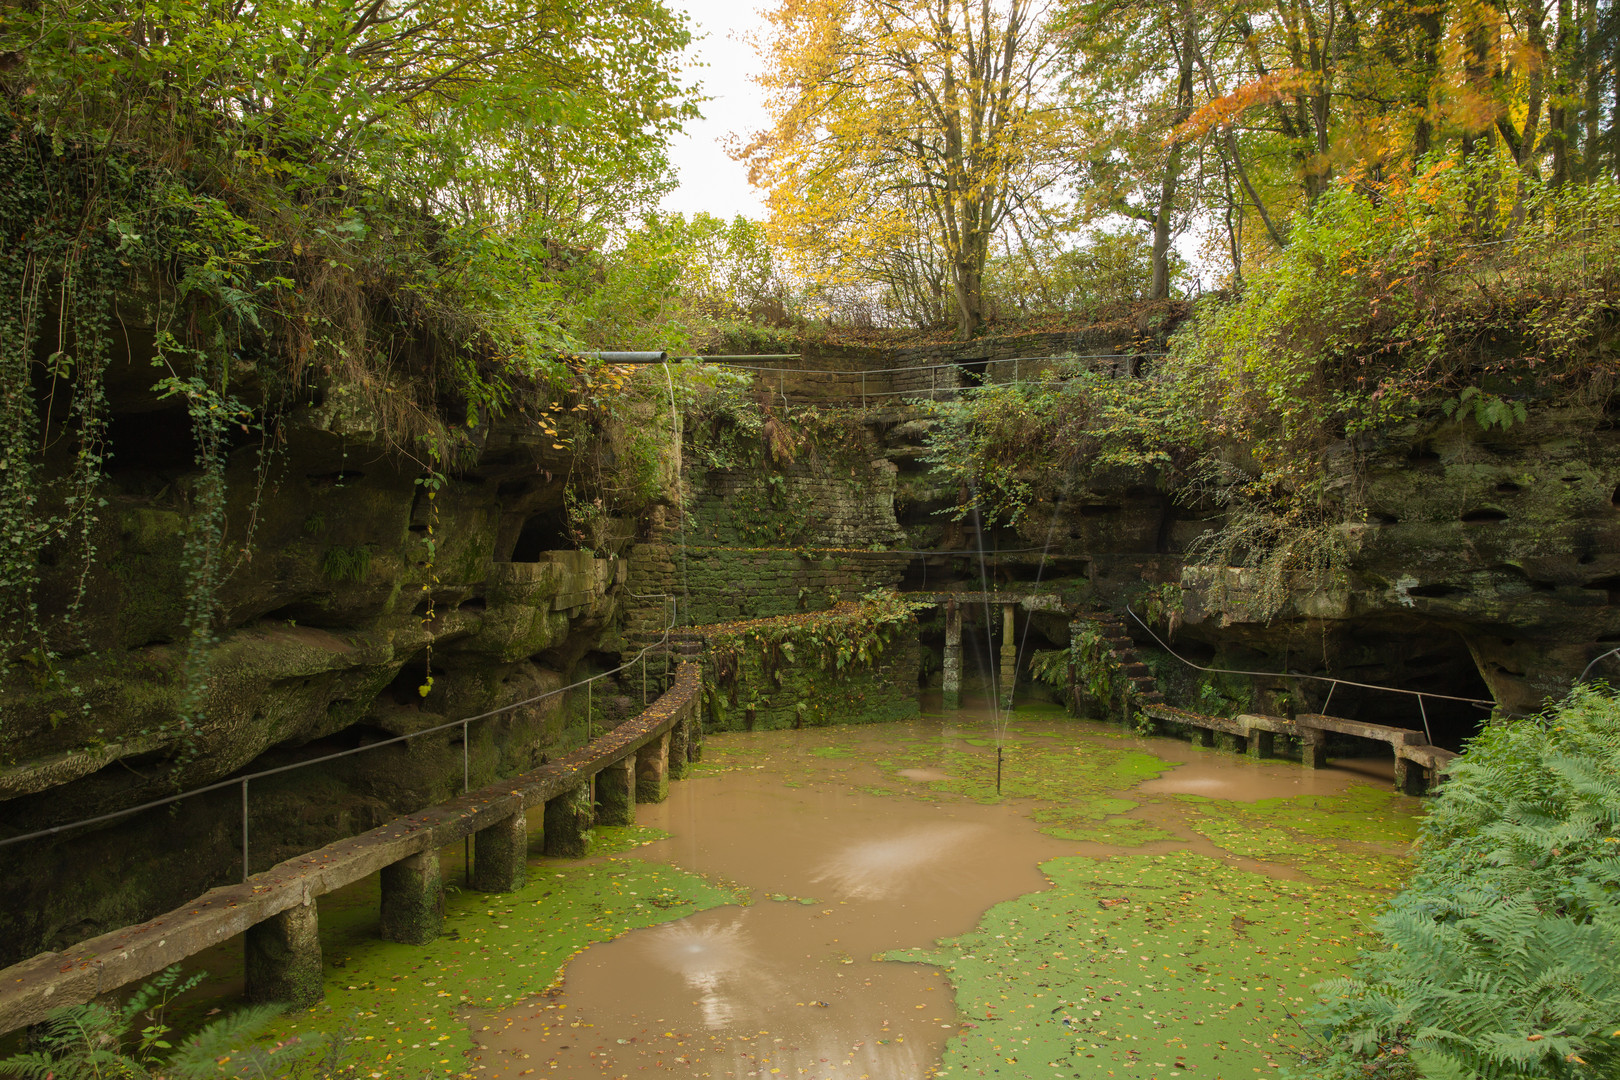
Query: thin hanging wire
point(997, 721)
point(680, 495)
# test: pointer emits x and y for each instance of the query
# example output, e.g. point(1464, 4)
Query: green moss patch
point(1162, 965)
point(406, 1005)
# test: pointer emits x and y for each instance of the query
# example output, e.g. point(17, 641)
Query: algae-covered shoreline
point(1177, 933)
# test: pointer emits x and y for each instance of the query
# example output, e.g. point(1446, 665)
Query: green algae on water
point(1077, 782)
point(1146, 966)
point(407, 1006)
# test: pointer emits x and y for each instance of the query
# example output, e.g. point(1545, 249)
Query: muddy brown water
point(790, 985)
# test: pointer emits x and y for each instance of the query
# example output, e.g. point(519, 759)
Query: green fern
point(96, 1042)
point(1501, 960)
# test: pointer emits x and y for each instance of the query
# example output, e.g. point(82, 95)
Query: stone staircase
point(1133, 682)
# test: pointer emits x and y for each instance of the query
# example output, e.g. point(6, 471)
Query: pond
point(858, 902)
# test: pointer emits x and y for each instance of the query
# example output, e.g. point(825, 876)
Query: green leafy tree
point(381, 199)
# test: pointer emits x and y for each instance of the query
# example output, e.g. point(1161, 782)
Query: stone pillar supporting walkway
point(1408, 777)
point(680, 738)
point(951, 669)
point(413, 899)
point(616, 792)
point(284, 958)
point(501, 855)
point(652, 770)
point(568, 822)
point(1261, 744)
point(1009, 655)
point(1313, 749)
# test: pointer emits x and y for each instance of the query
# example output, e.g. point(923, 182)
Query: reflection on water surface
point(847, 856)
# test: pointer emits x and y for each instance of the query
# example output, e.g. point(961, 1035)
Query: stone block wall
point(755, 695)
point(821, 505)
point(876, 377)
point(723, 584)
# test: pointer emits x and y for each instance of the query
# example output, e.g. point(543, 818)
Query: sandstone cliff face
point(328, 640)
point(324, 644)
point(1505, 544)
point(1488, 566)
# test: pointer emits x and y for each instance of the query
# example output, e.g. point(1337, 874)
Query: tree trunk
point(1186, 36)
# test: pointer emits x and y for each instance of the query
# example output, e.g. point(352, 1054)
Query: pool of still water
point(1128, 906)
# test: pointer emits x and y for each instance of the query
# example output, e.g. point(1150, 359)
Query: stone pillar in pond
point(283, 956)
point(568, 823)
point(616, 793)
point(501, 855)
point(652, 770)
point(1260, 743)
point(951, 668)
point(1313, 748)
point(1408, 776)
point(413, 899)
point(679, 739)
point(1009, 655)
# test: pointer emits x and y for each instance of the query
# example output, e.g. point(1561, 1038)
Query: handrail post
point(244, 831)
point(590, 686)
point(465, 769)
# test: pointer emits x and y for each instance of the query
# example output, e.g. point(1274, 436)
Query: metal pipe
point(630, 357)
point(734, 357)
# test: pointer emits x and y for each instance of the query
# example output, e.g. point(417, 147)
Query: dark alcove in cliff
point(542, 532)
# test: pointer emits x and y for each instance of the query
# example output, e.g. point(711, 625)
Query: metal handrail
point(734, 362)
point(462, 723)
point(1333, 681)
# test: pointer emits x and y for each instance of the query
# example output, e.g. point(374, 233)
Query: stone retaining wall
point(739, 583)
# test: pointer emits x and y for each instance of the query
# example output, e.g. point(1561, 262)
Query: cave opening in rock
point(542, 532)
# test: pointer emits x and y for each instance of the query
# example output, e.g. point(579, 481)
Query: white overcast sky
point(710, 180)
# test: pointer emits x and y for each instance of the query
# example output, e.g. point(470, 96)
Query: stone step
point(1134, 668)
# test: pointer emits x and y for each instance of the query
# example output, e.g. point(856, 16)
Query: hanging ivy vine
point(59, 269)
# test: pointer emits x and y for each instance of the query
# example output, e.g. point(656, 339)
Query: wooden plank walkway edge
point(31, 989)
